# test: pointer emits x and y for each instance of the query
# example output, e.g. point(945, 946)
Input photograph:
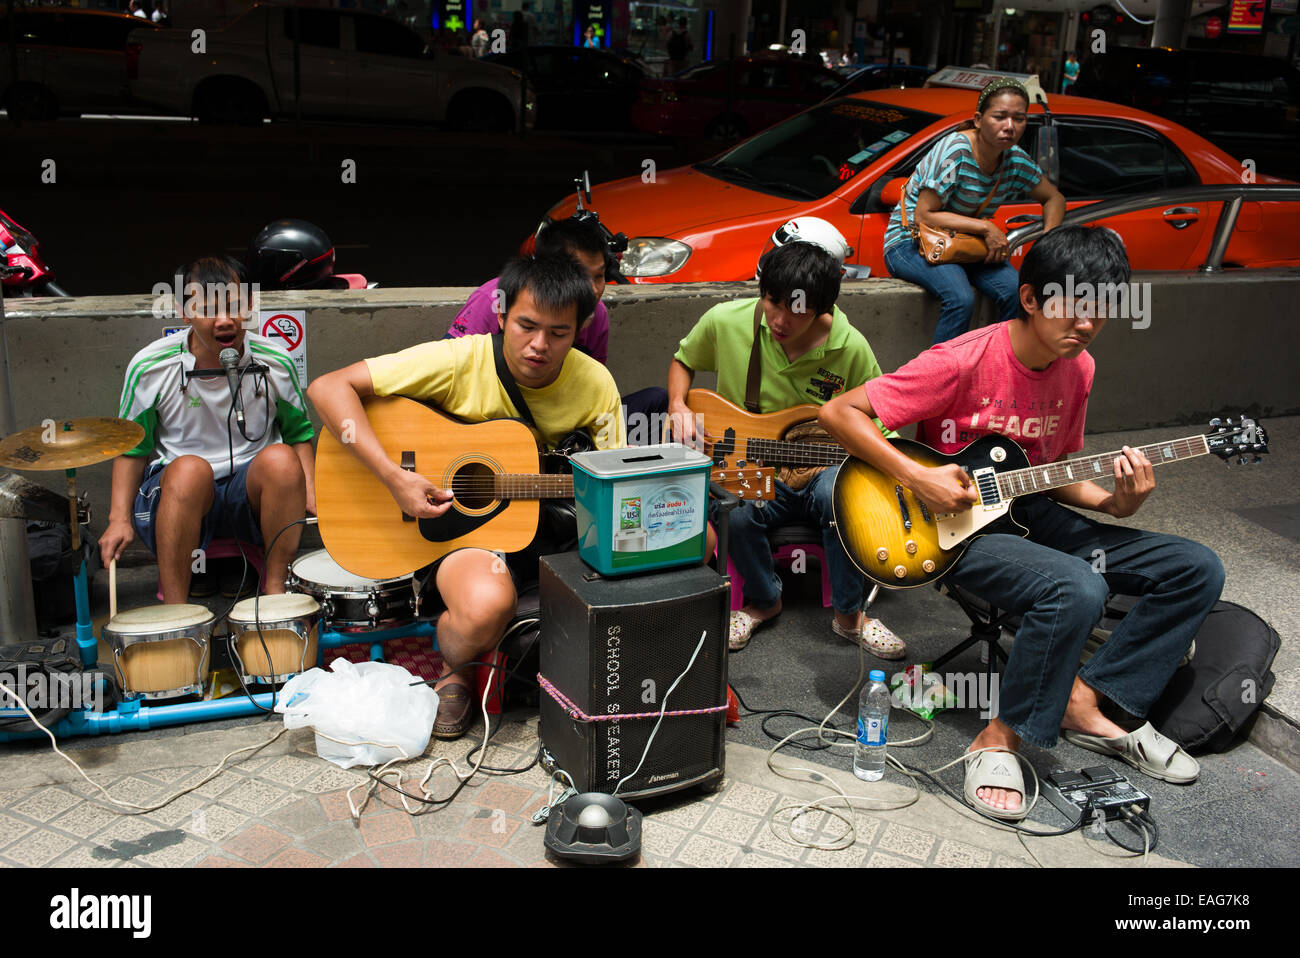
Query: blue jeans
point(955, 285)
point(752, 554)
point(1058, 579)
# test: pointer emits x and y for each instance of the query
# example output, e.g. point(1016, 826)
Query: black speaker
point(613, 647)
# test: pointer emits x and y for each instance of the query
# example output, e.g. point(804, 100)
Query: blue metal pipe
point(132, 717)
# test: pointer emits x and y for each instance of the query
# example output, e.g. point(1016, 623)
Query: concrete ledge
point(1213, 344)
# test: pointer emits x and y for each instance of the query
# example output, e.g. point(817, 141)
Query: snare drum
point(161, 651)
point(288, 629)
point(349, 603)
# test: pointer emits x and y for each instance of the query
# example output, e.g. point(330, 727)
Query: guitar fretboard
point(515, 486)
point(781, 452)
point(1020, 482)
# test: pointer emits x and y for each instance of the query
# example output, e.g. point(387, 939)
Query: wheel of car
point(726, 128)
point(31, 101)
point(229, 101)
point(480, 111)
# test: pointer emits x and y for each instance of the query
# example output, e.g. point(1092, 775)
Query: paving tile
point(512, 798)
point(744, 797)
point(170, 776)
point(731, 826)
point(687, 815)
point(361, 860)
point(296, 858)
point(1010, 861)
point(219, 785)
point(137, 790)
point(289, 770)
point(881, 860)
point(12, 829)
point(174, 856)
point(442, 854)
point(335, 842)
point(39, 848)
point(755, 860)
point(331, 778)
point(256, 844)
point(84, 820)
point(905, 840)
point(335, 805)
point(851, 857)
point(45, 803)
point(253, 797)
point(765, 841)
point(385, 828)
point(220, 861)
point(214, 823)
point(178, 812)
point(133, 837)
point(83, 857)
point(487, 858)
point(660, 839)
point(955, 854)
point(406, 855)
point(300, 817)
point(487, 827)
point(703, 852)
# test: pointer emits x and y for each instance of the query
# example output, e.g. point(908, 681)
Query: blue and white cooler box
point(641, 508)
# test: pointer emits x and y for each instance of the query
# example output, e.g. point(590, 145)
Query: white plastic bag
point(366, 702)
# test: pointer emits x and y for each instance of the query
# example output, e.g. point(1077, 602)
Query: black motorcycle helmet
point(290, 254)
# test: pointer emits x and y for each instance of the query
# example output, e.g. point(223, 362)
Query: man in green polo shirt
point(809, 354)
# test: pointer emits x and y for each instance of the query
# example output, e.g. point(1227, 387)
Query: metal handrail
point(1231, 195)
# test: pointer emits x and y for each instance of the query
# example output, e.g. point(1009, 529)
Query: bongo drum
point(289, 627)
point(161, 651)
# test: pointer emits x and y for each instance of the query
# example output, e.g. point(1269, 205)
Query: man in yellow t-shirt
point(545, 298)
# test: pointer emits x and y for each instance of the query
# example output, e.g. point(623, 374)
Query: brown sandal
point(455, 711)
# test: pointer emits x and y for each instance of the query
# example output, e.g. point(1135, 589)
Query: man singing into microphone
point(200, 473)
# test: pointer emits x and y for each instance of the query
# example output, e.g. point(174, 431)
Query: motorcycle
point(24, 272)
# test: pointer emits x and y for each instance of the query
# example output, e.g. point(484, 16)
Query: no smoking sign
point(287, 328)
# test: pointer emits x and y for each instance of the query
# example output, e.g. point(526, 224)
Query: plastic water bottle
point(873, 728)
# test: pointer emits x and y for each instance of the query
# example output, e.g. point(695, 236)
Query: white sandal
point(875, 638)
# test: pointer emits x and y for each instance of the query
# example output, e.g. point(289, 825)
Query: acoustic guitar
point(490, 467)
point(895, 540)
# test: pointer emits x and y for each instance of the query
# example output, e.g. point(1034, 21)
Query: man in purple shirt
point(585, 242)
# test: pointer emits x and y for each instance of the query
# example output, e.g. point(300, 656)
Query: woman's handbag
point(949, 246)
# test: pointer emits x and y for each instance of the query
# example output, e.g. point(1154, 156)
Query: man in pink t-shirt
point(1029, 379)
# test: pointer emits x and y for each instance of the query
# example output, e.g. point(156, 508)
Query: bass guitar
point(490, 468)
point(895, 540)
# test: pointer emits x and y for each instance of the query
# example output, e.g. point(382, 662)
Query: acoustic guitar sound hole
point(472, 486)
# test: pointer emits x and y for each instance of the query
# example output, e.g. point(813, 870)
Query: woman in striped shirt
point(948, 188)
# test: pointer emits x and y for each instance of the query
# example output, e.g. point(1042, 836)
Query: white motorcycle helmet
point(808, 229)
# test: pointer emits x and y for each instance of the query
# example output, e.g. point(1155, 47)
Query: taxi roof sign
point(976, 78)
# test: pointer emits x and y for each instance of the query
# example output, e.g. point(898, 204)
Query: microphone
point(229, 359)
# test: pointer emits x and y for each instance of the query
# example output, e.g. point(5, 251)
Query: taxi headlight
point(653, 256)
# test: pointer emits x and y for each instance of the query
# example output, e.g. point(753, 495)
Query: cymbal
point(69, 443)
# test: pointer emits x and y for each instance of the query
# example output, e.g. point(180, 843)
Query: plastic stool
point(230, 549)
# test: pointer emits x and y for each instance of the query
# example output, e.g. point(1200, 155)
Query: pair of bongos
point(164, 651)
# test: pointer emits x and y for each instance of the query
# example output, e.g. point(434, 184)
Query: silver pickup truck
point(282, 61)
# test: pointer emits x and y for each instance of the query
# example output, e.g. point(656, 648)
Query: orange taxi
point(710, 221)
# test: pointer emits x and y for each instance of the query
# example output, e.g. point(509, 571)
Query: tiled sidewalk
point(285, 807)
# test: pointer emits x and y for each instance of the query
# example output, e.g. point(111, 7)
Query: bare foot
point(1083, 713)
point(998, 734)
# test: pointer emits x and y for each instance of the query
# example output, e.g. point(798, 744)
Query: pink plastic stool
point(785, 553)
point(229, 549)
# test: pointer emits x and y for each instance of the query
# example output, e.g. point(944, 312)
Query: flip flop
point(742, 629)
point(995, 769)
point(1146, 750)
point(874, 637)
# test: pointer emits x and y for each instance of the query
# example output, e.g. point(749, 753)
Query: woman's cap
point(1000, 85)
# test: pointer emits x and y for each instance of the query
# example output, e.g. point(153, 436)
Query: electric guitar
point(490, 467)
point(744, 437)
point(894, 539)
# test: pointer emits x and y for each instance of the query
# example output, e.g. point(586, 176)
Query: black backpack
point(1211, 698)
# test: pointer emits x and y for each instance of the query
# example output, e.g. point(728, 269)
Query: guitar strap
point(754, 379)
point(508, 380)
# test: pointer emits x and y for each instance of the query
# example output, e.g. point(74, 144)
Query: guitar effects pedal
point(1094, 791)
